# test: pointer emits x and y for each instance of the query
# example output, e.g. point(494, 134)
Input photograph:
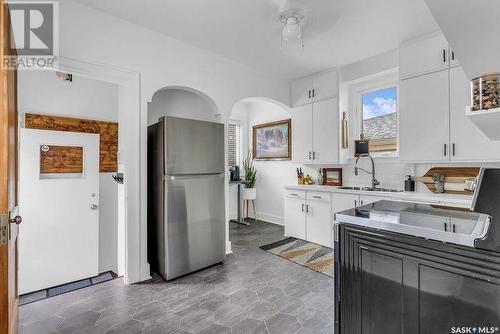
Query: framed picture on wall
point(332, 176)
point(272, 141)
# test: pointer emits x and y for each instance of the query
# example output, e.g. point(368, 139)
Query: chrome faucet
point(372, 173)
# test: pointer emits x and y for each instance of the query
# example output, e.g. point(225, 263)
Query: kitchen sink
point(389, 190)
point(356, 188)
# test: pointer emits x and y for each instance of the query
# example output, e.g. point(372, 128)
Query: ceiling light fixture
point(293, 29)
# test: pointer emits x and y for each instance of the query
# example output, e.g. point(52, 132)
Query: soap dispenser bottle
point(409, 183)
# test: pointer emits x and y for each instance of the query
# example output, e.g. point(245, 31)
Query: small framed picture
point(332, 176)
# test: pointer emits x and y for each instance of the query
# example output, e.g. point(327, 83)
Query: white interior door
point(60, 230)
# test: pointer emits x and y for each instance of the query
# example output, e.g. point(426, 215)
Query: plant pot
point(249, 193)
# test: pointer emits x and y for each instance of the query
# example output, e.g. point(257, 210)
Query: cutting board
point(455, 178)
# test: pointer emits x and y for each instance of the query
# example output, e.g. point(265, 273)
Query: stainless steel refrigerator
point(186, 209)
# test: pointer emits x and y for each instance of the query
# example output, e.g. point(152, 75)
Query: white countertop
point(444, 199)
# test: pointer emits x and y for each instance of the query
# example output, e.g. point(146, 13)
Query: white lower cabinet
point(309, 214)
point(368, 199)
point(295, 223)
point(308, 217)
point(318, 218)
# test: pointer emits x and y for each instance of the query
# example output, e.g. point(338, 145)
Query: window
point(379, 121)
point(234, 144)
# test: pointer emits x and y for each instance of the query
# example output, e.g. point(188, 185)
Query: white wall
point(272, 176)
point(181, 103)
point(161, 61)
point(42, 92)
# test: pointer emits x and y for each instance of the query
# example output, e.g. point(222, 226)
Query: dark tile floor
point(253, 292)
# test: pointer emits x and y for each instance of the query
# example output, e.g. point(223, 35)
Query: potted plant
point(249, 192)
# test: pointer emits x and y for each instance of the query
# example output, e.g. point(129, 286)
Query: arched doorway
point(182, 102)
point(272, 175)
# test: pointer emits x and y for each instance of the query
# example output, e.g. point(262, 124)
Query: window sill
point(377, 156)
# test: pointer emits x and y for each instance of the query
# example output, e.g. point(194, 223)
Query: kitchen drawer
point(298, 194)
point(319, 196)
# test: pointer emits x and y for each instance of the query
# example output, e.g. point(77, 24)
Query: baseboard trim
point(274, 219)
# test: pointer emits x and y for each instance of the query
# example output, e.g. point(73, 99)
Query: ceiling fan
point(296, 15)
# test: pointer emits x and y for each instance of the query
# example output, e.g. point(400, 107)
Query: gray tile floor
point(253, 292)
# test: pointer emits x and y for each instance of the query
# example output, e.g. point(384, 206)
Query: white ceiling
point(248, 31)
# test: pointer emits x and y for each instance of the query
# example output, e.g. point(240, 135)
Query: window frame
point(370, 85)
point(239, 141)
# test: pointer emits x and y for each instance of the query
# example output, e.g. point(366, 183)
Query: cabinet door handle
point(309, 93)
point(444, 55)
point(302, 207)
point(361, 202)
point(314, 155)
point(445, 227)
point(452, 55)
point(314, 92)
point(445, 150)
point(307, 208)
point(356, 203)
point(453, 149)
point(294, 194)
point(316, 196)
point(310, 155)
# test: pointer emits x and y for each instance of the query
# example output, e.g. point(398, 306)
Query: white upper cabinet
point(325, 131)
point(302, 91)
point(468, 143)
point(453, 59)
point(315, 119)
point(315, 88)
point(433, 98)
point(302, 133)
point(325, 86)
point(423, 56)
point(315, 133)
point(424, 118)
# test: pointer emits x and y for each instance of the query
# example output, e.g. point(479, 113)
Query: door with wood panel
point(9, 299)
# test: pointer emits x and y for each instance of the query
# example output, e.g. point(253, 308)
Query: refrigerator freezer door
point(193, 147)
point(195, 228)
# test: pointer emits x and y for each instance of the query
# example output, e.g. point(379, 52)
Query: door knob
point(94, 206)
point(16, 220)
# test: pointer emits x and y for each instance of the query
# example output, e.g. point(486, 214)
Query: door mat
point(307, 254)
point(65, 288)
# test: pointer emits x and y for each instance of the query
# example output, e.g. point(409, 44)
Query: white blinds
point(233, 144)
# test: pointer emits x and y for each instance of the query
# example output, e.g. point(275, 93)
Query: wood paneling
point(108, 132)
point(61, 159)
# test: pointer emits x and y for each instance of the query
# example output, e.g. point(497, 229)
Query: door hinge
point(4, 228)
